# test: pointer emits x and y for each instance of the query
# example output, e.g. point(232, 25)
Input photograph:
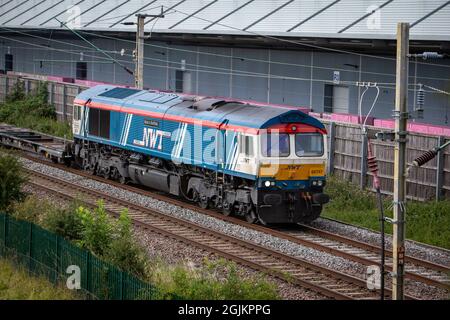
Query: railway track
point(325, 281)
point(416, 269)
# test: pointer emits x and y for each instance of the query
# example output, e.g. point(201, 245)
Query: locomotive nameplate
point(151, 123)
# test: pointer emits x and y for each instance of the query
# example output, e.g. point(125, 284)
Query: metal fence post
point(64, 100)
point(121, 285)
point(6, 86)
point(440, 170)
point(5, 221)
point(331, 135)
point(30, 246)
point(27, 86)
point(57, 258)
point(363, 178)
point(88, 269)
point(51, 93)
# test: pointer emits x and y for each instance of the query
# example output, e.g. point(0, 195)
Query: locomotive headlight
point(272, 183)
point(267, 183)
point(314, 183)
point(320, 183)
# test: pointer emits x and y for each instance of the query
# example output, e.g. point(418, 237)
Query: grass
point(112, 240)
point(33, 111)
point(17, 284)
point(217, 280)
point(427, 222)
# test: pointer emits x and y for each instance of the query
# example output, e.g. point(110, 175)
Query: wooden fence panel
point(345, 147)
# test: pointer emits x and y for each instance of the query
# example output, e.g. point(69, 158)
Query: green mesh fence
point(48, 254)
point(2, 234)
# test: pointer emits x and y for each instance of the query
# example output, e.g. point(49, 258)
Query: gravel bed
point(263, 239)
point(174, 252)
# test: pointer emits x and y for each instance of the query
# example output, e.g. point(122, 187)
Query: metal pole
point(139, 52)
point(139, 71)
point(373, 167)
point(401, 115)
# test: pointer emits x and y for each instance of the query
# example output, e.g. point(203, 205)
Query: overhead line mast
point(401, 118)
point(139, 52)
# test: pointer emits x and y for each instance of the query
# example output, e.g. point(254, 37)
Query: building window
point(336, 99)
point(183, 81)
point(9, 62)
point(81, 70)
point(328, 98)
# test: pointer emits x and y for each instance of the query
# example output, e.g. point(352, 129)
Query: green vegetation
point(112, 240)
point(33, 111)
point(11, 180)
point(208, 282)
point(427, 222)
point(17, 284)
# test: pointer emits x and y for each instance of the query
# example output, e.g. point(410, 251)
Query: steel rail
point(328, 282)
point(433, 274)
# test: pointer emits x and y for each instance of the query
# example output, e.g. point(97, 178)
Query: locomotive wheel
point(203, 203)
point(92, 169)
point(251, 216)
point(122, 180)
point(106, 173)
point(227, 210)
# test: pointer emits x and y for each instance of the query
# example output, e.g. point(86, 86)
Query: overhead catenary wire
point(95, 47)
point(227, 56)
point(233, 72)
point(263, 75)
point(259, 60)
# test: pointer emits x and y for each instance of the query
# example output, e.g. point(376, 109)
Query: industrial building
point(309, 53)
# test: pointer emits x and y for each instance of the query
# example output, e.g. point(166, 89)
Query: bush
point(218, 280)
point(33, 111)
point(11, 180)
point(32, 209)
point(97, 229)
point(425, 221)
point(112, 239)
point(64, 222)
point(17, 92)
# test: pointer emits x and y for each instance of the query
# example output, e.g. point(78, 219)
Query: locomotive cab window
point(246, 146)
point(99, 123)
point(309, 144)
point(275, 145)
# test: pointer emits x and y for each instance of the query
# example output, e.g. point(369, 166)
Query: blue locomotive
point(264, 163)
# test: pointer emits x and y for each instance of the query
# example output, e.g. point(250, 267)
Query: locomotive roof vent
point(206, 104)
point(209, 104)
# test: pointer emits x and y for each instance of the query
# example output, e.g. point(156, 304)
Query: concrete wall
point(275, 76)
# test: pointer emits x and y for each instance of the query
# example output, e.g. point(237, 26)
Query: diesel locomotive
point(264, 163)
